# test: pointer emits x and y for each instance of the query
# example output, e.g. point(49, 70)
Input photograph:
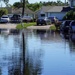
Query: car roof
point(5, 16)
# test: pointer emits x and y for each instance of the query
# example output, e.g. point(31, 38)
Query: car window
point(73, 23)
point(4, 17)
point(67, 23)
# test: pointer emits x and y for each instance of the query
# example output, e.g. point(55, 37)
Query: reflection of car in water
point(65, 35)
point(72, 37)
point(42, 33)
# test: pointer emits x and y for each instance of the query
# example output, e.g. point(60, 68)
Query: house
point(51, 11)
point(11, 11)
point(71, 3)
point(27, 12)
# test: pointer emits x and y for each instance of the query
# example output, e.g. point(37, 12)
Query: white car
point(5, 17)
point(26, 18)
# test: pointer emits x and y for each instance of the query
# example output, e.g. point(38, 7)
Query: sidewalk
point(8, 26)
point(46, 27)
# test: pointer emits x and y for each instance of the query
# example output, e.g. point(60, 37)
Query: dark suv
point(64, 27)
point(15, 18)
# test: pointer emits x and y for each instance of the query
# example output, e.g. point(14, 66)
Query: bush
point(69, 15)
point(3, 12)
point(57, 25)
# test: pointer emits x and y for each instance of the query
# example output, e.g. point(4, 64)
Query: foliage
point(57, 25)
point(19, 26)
point(70, 15)
point(53, 28)
point(17, 5)
point(6, 2)
point(3, 12)
point(36, 6)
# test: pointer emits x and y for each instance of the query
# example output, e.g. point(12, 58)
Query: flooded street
point(46, 53)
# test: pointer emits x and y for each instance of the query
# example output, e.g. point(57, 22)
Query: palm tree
point(6, 2)
point(23, 9)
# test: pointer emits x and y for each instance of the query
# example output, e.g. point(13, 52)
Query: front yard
point(25, 25)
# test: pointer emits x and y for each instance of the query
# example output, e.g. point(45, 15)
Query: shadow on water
point(27, 63)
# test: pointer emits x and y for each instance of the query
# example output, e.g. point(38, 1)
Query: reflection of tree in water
point(31, 65)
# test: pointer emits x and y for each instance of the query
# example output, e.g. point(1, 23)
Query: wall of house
point(71, 3)
point(59, 15)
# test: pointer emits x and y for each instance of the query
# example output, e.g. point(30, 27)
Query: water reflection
point(46, 53)
point(11, 56)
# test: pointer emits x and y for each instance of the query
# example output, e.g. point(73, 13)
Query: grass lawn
point(25, 25)
point(53, 28)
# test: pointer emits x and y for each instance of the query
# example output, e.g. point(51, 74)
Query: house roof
point(55, 9)
point(19, 11)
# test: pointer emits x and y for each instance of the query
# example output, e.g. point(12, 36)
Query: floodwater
point(44, 53)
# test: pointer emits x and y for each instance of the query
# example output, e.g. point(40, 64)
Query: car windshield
point(67, 23)
point(42, 18)
point(4, 17)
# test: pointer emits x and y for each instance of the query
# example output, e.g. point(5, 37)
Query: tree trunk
point(23, 9)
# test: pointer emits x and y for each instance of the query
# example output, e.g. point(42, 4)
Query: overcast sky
point(30, 1)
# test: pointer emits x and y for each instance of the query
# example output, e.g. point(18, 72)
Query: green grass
point(25, 25)
point(53, 28)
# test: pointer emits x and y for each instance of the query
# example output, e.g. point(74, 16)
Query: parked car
point(5, 18)
point(3, 21)
point(27, 19)
point(15, 18)
point(64, 27)
point(53, 19)
point(72, 26)
point(43, 20)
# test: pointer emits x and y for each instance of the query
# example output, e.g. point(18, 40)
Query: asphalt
point(8, 26)
point(13, 26)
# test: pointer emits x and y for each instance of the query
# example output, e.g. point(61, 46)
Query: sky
point(30, 1)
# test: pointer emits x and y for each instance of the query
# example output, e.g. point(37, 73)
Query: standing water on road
point(46, 53)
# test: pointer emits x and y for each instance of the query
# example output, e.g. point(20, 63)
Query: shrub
point(3, 11)
point(57, 25)
point(69, 15)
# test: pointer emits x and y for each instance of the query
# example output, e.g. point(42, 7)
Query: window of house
point(42, 15)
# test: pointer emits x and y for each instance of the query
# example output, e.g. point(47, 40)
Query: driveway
point(46, 27)
point(8, 26)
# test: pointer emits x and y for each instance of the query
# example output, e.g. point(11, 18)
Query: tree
point(18, 4)
point(70, 15)
point(6, 2)
point(3, 12)
point(23, 9)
